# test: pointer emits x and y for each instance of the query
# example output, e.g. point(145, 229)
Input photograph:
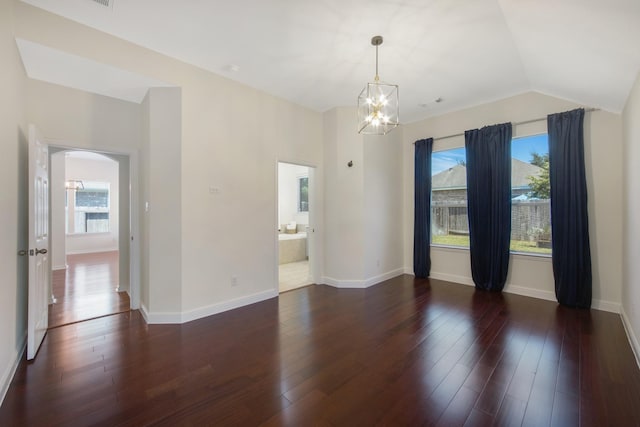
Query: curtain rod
point(586, 110)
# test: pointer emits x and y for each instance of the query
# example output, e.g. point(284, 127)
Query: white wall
point(530, 275)
point(97, 171)
point(344, 199)
point(13, 202)
point(73, 118)
point(631, 249)
point(363, 203)
point(162, 208)
point(288, 176)
point(383, 206)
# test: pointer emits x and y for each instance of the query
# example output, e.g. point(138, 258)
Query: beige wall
point(631, 248)
point(383, 206)
point(344, 199)
point(231, 138)
point(162, 210)
point(530, 275)
point(363, 203)
point(13, 207)
point(71, 117)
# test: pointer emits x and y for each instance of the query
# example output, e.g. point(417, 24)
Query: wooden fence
point(526, 217)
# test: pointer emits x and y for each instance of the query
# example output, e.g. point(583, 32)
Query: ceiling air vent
point(105, 3)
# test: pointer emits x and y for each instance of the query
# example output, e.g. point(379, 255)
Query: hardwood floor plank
point(404, 352)
point(86, 289)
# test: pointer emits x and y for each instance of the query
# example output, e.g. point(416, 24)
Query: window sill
point(511, 253)
point(532, 254)
point(102, 233)
point(450, 247)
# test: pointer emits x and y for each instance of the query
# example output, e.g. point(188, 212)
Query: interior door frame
point(134, 204)
point(315, 247)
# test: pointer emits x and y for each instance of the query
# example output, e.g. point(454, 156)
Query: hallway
point(87, 289)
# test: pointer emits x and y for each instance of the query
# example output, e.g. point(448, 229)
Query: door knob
point(41, 251)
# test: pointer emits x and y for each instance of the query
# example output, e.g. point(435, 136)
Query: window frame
point(299, 193)
point(71, 209)
point(447, 147)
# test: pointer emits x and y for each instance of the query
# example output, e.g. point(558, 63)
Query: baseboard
point(210, 310)
point(510, 288)
point(348, 284)
point(8, 374)
point(601, 305)
point(382, 277)
point(92, 251)
point(631, 336)
point(362, 284)
point(144, 312)
point(529, 292)
point(452, 278)
point(59, 267)
point(198, 313)
point(160, 318)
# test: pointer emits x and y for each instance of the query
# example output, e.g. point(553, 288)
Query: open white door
point(38, 242)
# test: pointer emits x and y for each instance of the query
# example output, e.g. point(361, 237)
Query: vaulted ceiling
point(318, 53)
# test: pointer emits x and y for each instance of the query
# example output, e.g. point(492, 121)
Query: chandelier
point(378, 104)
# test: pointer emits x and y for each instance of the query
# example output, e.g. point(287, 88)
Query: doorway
point(86, 232)
point(295, 229)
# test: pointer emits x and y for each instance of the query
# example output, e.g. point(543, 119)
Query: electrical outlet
point(234, 280)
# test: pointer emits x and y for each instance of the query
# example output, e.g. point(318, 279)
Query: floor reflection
point(87, 289)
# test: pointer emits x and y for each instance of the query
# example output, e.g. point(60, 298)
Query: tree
point(540, 187)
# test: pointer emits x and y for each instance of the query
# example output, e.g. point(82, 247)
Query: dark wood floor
point(405, 352)
point(87, 289)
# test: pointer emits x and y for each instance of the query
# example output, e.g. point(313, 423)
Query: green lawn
point(516, 245)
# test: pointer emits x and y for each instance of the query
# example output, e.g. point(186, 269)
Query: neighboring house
point(450, 186)
point(449, 202)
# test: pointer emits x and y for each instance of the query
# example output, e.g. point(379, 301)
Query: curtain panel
point(422, 211)
point(571, 252)
point(489, 204)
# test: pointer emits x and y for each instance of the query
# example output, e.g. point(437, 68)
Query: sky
point(521, 149)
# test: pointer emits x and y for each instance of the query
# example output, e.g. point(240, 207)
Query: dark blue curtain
point(489, 204)
point(569, 223)
point(422, 215)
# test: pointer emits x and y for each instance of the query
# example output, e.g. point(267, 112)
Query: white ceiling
point(318, 53)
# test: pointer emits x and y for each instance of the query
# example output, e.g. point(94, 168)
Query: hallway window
point(88, 209)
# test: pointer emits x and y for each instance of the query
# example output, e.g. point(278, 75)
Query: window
point(530, 207)
point(530, 204)
point(449, 221)
point(88, 209)
point(303, 194)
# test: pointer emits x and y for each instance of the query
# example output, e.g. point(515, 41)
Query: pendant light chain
point(377, 78)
